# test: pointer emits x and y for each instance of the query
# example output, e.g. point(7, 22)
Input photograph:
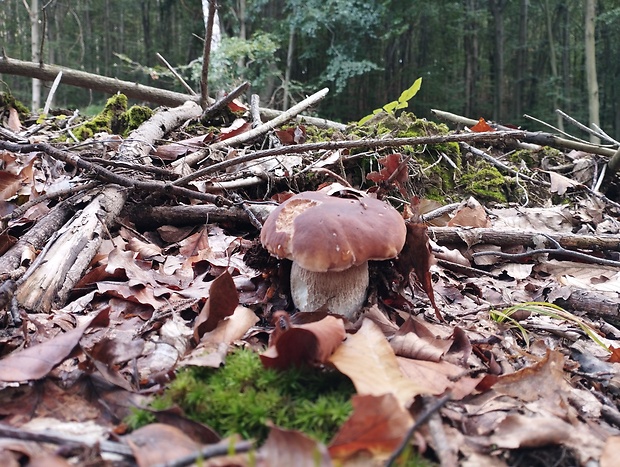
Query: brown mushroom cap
point(324, 233)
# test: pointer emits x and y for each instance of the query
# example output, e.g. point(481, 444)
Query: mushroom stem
point(342, 292)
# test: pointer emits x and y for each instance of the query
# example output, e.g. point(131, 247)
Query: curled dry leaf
point(305, 344)
point(292, 448)
point(377, 425)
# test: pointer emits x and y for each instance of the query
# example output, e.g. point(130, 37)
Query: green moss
point(486, 183)
point(8, 100)
point(114, 119)
point(242, 396)
point(134, 117)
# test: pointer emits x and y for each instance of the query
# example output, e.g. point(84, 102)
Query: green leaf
point(390, 106)
point(402, 105)
point(407, 94)
point(368, 117)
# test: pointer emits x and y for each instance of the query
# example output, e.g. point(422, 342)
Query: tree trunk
point(521, 58)
point(289, 66)
point(497, 10)
point(471, 56)
point(591, 79)
point(35, 42)
point(553, 62)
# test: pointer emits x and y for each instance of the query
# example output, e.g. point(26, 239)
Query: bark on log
point(62, 264)
point(35, 238)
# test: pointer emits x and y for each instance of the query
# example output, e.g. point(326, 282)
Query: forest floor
point(144, 324)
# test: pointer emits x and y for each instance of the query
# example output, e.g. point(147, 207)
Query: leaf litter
point(159, 299)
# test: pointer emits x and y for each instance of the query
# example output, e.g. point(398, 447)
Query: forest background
point(496, 59)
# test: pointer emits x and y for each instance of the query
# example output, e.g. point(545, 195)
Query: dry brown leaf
point(292, 448)
point(37, 361)
point(414, 340)
point(222, 301)
point(377, 425)
point(611, 452)
point(158, 443)
point(15, 124)
point(472, 214)
point(304, 344)
point(368, 360)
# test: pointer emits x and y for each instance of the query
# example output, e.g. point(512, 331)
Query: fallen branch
point(539, 138)
point(458, 235)
point(360, 143)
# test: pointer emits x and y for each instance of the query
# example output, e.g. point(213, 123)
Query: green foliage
point(545, 309)
point(238, 60)
point(401, 103)
point(242, 396)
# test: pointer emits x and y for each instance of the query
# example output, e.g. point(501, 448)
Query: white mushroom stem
point(343, 292)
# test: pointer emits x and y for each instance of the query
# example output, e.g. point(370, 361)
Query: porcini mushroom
point(330, 241)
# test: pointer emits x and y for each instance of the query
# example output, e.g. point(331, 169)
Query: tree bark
point(521, 58)
point(35, 41)
point(471, 56)
point(553, 62)
point(497, 10)
point(591, 77)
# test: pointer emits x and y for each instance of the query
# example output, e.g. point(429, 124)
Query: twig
point(557, 250)
point(187, 87)
point(106, 446)
point(556, 129)
point(361, 143)
point(199, 156)
point(224, 101)
point(255, 110)
point(50, 96)
point(239, 201)
point(330, 173)
point(582, 127)
point(422, 419)
point(434, 214)
point(206, 55)
point(500, 164)
point(210, 451)
point(109, 176)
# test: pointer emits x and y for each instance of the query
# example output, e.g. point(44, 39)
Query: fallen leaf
point(304, 344)
point(292, 448)
point(37, 361)
point(222, 301)
point(377, 424)
point(158, 443)
point(368, 360)
point(560, 183)
point(482, 126)
point(611, 452)
point(391, 163)
point(416, 256)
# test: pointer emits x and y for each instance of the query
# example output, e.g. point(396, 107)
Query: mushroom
point(330, 241)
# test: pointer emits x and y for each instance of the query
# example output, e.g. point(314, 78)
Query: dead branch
point(132, 90)
point(360, 143)
point(539, 138)
point(458, 235)
point(198, 156)
point(206, 55)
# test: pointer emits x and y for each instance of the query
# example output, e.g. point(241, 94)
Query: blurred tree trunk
point(497, 10)
point(471, 56)
point(566, 70)
point(553, 62)
point(521, 58)
point(591, 78)
point(289, 66)
point(35, 50)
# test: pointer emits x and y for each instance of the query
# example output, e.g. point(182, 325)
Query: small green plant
point(545, 309)
point(242, 396)
point(401, 103)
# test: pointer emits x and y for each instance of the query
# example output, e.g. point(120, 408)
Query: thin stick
point(224, 101)
point(50, 96)
point(207, 452)
point(284, 117)
point(579, 125)
point(422, 419)
point(175, 74)
point(206, 55)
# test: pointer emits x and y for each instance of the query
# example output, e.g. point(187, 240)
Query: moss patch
point(114, 119)
point(485, 182)
point(242, 396)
